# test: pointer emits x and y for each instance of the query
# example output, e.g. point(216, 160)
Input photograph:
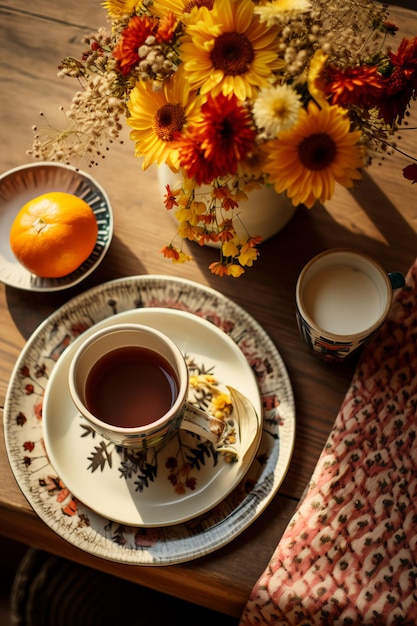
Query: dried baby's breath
point(91, 124)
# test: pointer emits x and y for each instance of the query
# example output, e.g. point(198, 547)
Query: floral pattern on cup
point(323, 347)
point(142, 466)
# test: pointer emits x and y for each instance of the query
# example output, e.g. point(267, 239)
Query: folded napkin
point(349, 554)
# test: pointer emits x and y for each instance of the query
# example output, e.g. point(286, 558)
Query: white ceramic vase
point(265, 212)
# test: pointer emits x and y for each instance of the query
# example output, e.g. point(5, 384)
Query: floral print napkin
point(349, 554)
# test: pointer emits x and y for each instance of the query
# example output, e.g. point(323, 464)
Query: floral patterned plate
point(77, 522)
point(163, 485)
point(21, 184)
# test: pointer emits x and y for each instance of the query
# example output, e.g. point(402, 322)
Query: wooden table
point(380, 217)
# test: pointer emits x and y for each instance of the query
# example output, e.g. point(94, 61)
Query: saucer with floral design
point(166, 484)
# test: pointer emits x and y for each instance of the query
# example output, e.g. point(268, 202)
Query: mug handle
point(200, 423)
point(397, 280)
point(246, 423)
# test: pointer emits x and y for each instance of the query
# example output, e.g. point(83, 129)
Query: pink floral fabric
point(349, 554)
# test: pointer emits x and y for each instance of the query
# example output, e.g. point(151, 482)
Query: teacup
point(130, 382)
point(342, 298)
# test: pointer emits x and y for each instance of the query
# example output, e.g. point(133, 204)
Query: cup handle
point(247, 425)
point(207, 426)
point(397, 280)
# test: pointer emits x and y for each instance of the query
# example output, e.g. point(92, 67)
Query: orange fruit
point(53, 234)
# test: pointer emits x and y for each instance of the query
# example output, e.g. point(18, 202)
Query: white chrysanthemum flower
point(273, 12)
point(276, 109)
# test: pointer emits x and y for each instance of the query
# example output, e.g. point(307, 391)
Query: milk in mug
point(342, 297)
point(342, 300)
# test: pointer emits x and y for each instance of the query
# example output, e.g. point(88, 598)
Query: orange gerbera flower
point(166, 28)
point(134, 36)
point(216, 143)
point(353, 85)
point(401, 85)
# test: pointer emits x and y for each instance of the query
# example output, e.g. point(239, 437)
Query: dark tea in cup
point(131, 386)
point(130, 382)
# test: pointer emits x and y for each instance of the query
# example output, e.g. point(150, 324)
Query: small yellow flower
point(193, 381)
point(240, 195)
point(235, 270)
point(188, 215)
point(184, 198)
point(189, 231)
point(222, 403)
point(198, 208)
point(229, 248)
point(183, 257)
point(248, 255)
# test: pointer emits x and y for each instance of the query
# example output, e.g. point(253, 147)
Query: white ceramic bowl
point(21, 184)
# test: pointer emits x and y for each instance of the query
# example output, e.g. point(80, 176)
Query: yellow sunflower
point(276, 10)
point(317, 152)
point(161, 7)
point(120, 8)
point(228, 50)
point(156, 116)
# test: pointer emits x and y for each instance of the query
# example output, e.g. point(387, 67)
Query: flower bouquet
point(236, 94)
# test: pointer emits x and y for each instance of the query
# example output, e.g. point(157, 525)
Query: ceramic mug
point(130, 382)
point(342, 298)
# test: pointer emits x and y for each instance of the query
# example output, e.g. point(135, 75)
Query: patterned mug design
point(342, 299)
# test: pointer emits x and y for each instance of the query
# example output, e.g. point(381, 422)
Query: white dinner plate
point(21, 184)
point(77, 522)
point(148, 488)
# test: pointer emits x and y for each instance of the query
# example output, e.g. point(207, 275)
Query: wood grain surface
point(379, 217)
